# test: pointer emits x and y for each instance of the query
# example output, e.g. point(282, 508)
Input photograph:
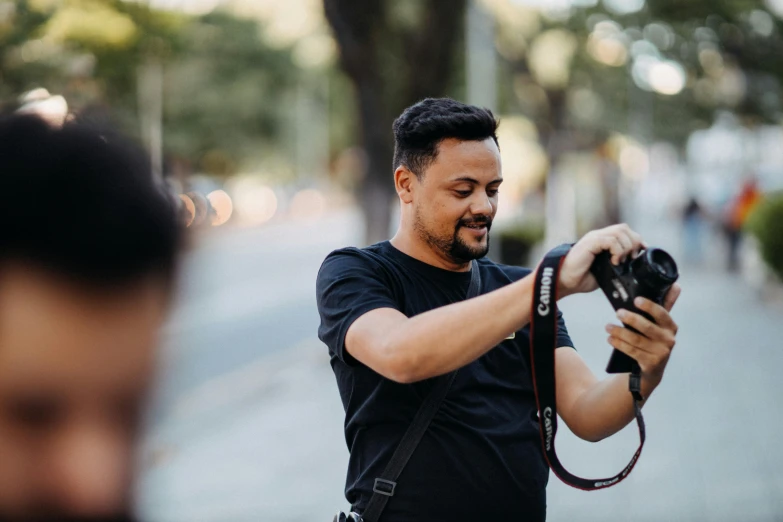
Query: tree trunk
point(377, 188)
point(363, 31)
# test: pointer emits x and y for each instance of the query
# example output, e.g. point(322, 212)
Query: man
point(87, 263)
point(393, 317)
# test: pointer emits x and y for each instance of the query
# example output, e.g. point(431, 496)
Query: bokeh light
point(53, 109)
point(634, 161)
point(762, 22)
point(308, 205)
point(222, 207)
point(607, 44)
point(661, 35)
point(188, 210)
point(524, 162)
point(624, 7)
point(255, 203)
point(667, 78)
point(201, 208)
point(776, 6)
point(550, 58)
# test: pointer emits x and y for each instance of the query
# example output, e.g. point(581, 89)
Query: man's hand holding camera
point(653, 343)
point(575, 276)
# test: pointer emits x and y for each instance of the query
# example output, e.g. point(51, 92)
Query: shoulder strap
point(384, 486)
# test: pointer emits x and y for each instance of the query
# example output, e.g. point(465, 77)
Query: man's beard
point(454, 247)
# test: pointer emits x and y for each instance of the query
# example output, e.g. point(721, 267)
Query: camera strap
point(543, 338)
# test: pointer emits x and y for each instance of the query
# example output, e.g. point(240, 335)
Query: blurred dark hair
point(421, 127)
point(81, 202)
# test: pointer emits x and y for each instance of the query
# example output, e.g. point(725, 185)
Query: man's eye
point(492, 193)
point(35, 413)
point(463, 193)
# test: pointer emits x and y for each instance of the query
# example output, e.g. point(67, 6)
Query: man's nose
point(481, 205)
point(91, 475)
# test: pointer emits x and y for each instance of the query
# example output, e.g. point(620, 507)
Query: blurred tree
point(87, 50)
point(730, 48)
point(656, 72)
point(395, 53)
point(225, 92)
point(227, 98)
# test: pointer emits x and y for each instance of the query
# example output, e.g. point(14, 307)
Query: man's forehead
point(459, 178)
point(460, 158)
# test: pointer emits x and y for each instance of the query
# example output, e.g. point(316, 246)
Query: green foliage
point(227, 100)
point(87, 50)
point(228, 96)
point(766, 224)
point(530, 232)
point(517, 241)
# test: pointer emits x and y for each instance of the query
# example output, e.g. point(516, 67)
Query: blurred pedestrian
point(88, 257)
point(693, 225)
point(395, 315)
point(735, 215)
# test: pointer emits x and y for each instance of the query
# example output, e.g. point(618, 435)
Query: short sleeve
point(563, 339)
point(515, 273)
point(349, 285)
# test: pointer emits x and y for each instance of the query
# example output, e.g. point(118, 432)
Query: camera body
point(350, 517)
point(649, 275)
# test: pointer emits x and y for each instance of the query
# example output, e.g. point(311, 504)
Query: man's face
point(75, 366)
point(456, 199)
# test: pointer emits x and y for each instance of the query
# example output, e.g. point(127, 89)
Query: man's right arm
point(444, 339)
point(441, 340)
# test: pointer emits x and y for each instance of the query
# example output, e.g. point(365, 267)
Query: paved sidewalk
point(274, 449)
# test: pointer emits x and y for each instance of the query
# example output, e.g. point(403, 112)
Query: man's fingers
point(671, 297)
point(630, 337)
point(619, 240)
point(659, 313)
point(647, 328)
point(610, 243)
point(626, 241)
point(642, 357)
point(630, 241)
point(638, 242)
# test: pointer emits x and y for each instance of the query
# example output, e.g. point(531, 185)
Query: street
point(246, 424)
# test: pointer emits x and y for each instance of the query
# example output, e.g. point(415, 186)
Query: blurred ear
point(404, 182)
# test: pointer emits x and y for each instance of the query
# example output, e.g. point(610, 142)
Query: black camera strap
point(385, 485)
point(543, 338)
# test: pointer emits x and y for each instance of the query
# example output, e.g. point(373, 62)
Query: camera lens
point(655, 271)
point(664, 264)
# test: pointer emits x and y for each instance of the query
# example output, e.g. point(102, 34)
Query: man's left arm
point(593, 409)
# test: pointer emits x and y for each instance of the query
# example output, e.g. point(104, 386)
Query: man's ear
point(404, 181)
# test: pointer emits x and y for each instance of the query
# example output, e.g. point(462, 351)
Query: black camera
point(649, 275)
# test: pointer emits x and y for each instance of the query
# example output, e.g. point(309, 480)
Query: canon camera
point(649, 275)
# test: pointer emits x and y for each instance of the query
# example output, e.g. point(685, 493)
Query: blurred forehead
point(56, 334)
point(456, 159)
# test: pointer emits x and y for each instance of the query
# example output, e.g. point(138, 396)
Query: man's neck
point(409, 243)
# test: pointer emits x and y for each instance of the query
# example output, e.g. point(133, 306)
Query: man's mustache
point(481, 221)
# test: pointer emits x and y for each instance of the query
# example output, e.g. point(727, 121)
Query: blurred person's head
point(447, 174)
point(88, 252)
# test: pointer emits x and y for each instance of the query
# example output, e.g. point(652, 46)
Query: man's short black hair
point(81, 202)
point(421, 127)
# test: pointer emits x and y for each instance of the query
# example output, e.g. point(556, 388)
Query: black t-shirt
point(481, 457)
